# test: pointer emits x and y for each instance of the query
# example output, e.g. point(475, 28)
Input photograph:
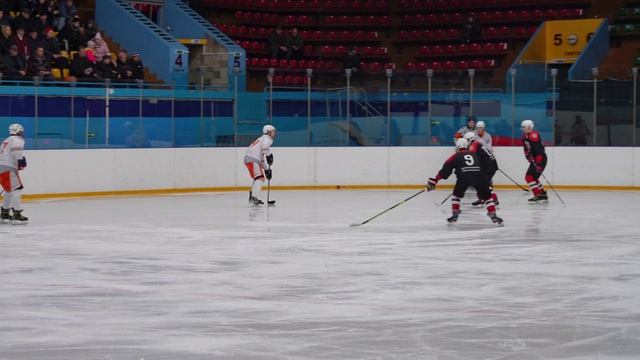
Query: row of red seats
point(452, 65)
point(364, 50)
point(383, 20)
point(503, 31)
point(486, 16)
point(326, 50)
point(325, 65)
point(456, 4)
point(489, 48)
point(303, 4)
point(274, 19)
point(261, 32)
point(290, 80)
point(292, 64)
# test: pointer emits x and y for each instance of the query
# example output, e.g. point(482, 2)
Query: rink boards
point(151, 171)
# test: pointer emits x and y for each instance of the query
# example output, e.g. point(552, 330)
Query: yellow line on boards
point(157, 192)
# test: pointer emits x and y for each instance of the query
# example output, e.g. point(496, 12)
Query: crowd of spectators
point(38, 36)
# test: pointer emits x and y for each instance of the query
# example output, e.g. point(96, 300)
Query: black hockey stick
point(389, 209)
point(513, 181)
point(554, 190)
point(445, 199)
point(269, 202)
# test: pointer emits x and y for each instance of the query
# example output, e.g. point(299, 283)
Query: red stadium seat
point(403, 35)
point(462, 64)
point(264, 62)
point(422, 66)
point(274, 63)
point(457, 17)
point(504, 31)
point(551, 13)
point(318, 35)
point(436, 65)
point(345, 19)
point(302, 64)
point(510, 15)
point(410, 67)
point(332, 35)
point(450, 49)
point(331, 19)
point(488, 63)
point(346, 35)
point(414, 35)
point(376, 67)
point(255, 62)
point(498, 15)
point(437, 49)
point(330, 65)
point(425, 50)
point(490, 31)
point(524, 14)
point(384, 20)
point(341, 50)
point(462, 48)
point(360, 35)
point(372, 35)
point(365, 66)
point(289, 79)
point(284, 63)
point(358, 20)
point(519, 30)
point(311, 64)
point(293, 64)
point(448, 65)
point(427, 34)
point(537, 14)
point(475, 64)
point(327, 50)
point(309, 50)
point(278, 80)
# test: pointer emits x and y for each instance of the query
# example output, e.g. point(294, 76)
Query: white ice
point(203, 276)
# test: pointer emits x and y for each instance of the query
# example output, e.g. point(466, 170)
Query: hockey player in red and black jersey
point(535, 154)
point(467, 167)
point(488, 164)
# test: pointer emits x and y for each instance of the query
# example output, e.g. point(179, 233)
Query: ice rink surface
point(202, 276)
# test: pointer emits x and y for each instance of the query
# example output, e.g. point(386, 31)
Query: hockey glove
point(268, 174)
point(22, 163)
point(270, 159)
point(431, 184)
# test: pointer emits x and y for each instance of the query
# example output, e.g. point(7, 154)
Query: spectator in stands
point(44, 7)
point(34, 40)
point(100, 47)
point(278, 44)
point(41, 23)
point(23, 21)
point(70, 32)
point(4, 19)
point(352, 59)
point(135, 63)
point(91, 29)
point(81, 39)
point(66, 12)
point(39, 65)
point(81, 68)
point(122, 66)
point(52, 50)
point(16, 64)
point(106, 69)
point(91, 55)
point(21, 42)
point(470, 30)
point(580, 131)
point(6, 40)
point(295, 44)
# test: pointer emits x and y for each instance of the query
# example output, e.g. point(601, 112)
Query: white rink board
point(69, 171)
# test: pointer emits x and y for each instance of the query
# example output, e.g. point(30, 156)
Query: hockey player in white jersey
point(483, 137)
point(470, 127)
point(258, 160)
point(11, 162)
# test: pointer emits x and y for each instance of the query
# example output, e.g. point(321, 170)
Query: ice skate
point(496, 220)
point(541, 198)
point(18, 218)
point(477, 203)
point(454, 218)
point(5, 218)
point(254, 201)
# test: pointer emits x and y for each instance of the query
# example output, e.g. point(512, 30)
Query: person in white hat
point(11, 162)
point(258, 160)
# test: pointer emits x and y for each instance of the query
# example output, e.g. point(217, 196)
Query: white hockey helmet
point(268, 128)
point(15, 129)
point(480, 124)
point(527, 124)
point(462, 143)
point(470, 136)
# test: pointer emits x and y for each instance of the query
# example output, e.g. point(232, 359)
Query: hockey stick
point(554, 190)
point(445, 199)
point(389, 209)
point(269, 202)
point(513, 181)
